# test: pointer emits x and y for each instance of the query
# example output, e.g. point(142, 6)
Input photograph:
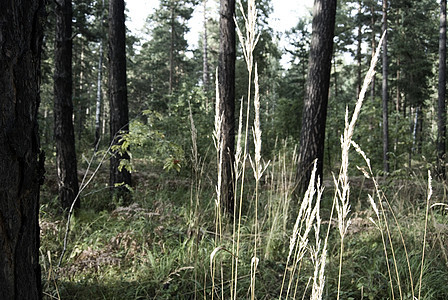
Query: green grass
point(153, 250)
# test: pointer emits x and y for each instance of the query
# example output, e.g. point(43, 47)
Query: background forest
point(374, 227)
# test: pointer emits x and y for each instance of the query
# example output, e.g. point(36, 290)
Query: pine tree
point(441, 112)
point(63, 108)
point(314, 115)
point(120, 177)
point(162, 66)
point(384, 93)
point(21, 166)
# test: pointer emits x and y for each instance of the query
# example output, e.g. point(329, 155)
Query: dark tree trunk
point(312, 135)
point(385, 95)
point(226, 77)
point(119, 119)
point(441, 112)
point(21, 167)
point(63, 107)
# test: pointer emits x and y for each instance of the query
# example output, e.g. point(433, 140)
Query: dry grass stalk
point(83, 186)
point(342, 186)
point(219, 145)
point(428, 198)
point(302, 227)
point(318, 257)
point(250, 41)
point(382, 221)
point(248, 45)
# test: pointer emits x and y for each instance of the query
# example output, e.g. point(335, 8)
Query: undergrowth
point(152, 249)
point(356, 236)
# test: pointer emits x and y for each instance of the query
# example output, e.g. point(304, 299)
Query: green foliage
point(141, 137)
point(151, 249)
point(161, 67)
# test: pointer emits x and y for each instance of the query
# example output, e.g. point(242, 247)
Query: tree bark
point(63, 107)
point(385, 96)
point(226, 78)
point(21, 166)
point(312, 135)
point(441, 112)
point(119, 119)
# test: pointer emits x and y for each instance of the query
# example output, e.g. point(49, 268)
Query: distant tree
point(226, 81)
point(441, 112)
point(205, 63)
point(63, 107)
point(21, 167)
point(412, 44)
point(87, 30)
point(119, 120)
point(384, 93)
point(99, 93)
point(314, 114)
point(161, 67)
point(293, 83)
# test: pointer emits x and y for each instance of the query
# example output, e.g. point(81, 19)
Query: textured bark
point(21, 167)
point(226, 77)
point(312, 135)
point(385, 95)
point(441, 112)
point(119, 119)
point(63, 107)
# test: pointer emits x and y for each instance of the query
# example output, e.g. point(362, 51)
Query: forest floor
point(160, 246)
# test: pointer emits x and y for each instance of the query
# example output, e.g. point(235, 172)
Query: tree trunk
point(63, 107)
point(21, 166)
point(441, 112)
point(119, 119)
point(372, 27)
point(171, 62)
point(385, 96)
point(98, 98)
point(312, 135)
point(359, 53)
point(226, 77)
point(81, 100)
point(335, 76)
point(397, 110)
point(99, 85)
point(205, 74)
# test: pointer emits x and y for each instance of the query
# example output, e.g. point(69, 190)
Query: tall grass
point(278, 204)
